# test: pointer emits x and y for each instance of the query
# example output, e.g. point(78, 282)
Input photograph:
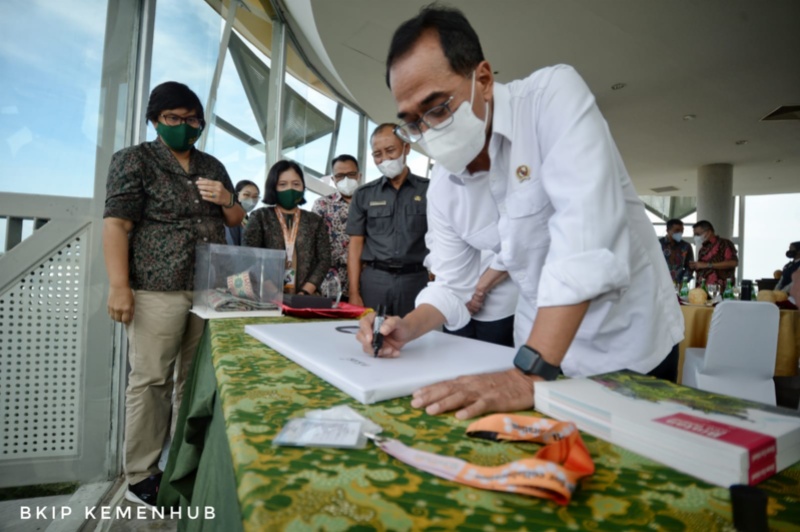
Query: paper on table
point(305, 432)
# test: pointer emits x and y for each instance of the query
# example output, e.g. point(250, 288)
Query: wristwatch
point(530, 362)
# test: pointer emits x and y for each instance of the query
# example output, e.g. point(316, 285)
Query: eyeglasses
point(349, 175)
point(247, 196)
point(175, 120)
point(435, 118)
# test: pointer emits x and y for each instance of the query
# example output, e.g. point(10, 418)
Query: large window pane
point(50, 66)
point(241, 160)
point(233, 104)
point(771, 223)
point(348, 135)
point(185, 46)
point(309, 117)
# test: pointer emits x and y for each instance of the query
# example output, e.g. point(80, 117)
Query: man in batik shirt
point(677, 252)
point(717, 257)
point(334, 208)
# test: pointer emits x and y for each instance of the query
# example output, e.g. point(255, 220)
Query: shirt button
point(199, 221)
point(205, 240)
point(197, 201)
point(188, 182)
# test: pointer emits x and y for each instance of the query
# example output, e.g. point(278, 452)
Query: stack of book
point(720, 439)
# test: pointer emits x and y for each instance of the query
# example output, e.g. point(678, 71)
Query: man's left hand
point(473, 395)
point(476, 303)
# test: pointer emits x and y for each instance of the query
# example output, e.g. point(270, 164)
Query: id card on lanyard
point(289, 239)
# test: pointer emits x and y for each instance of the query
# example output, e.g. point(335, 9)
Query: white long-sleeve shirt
point(559, 209)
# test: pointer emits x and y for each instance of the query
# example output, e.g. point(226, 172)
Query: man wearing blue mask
point(677, 252)
point(528, 170)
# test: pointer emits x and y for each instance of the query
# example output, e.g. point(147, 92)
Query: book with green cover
point(720, 439)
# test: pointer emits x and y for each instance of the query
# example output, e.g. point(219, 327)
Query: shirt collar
point(501, 111)
point(164, 154)
point(410, 179)
point(710, 241)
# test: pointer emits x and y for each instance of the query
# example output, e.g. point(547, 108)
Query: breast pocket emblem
point(523, 173)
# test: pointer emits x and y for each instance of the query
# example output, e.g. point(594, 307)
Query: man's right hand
point(395, 331)
point(120, 304)
point(355, 299)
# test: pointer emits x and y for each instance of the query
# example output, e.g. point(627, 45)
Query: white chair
point(739, 359)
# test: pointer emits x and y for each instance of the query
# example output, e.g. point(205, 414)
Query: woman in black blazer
point(283, 225)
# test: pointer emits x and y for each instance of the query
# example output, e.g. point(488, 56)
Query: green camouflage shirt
point(148, 186)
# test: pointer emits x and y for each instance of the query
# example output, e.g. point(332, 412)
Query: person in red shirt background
point(717, 257)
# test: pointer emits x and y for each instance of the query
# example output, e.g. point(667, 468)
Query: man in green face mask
point(163, 198)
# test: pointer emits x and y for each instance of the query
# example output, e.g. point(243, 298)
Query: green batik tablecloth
point(240, 393)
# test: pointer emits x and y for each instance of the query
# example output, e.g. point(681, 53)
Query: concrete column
point(715, 200)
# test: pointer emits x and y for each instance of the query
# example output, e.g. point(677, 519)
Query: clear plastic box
point(237, 281)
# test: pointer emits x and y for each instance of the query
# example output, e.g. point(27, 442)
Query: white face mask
point(455, 146)
point(392, 168)
point(347, 186)
point(698, 241)
point(249, 204)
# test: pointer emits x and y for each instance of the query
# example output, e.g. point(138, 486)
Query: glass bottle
point(728, 293)
point(685, 289)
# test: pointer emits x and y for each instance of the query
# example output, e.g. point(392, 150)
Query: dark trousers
point(668, 369)
point(500, 332)
point(395, 290)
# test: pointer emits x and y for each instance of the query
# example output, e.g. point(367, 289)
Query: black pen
point(377, 337)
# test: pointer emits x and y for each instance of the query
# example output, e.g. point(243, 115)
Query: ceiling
point(727, 62)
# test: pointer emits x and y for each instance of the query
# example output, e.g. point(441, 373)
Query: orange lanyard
point(289, 238)
point(552, 473)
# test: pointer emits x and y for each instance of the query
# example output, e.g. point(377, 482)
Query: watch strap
point(530, 362)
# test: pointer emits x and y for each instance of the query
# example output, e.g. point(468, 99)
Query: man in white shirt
point(529, 171)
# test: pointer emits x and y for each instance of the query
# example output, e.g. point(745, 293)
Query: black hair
point(244, 183)
point(343, 158)
point(704, 224)
point(796, 245)
point(460, 43)
point(385, 125)
point(672, 223)
point(271, 185)
point(172, 95)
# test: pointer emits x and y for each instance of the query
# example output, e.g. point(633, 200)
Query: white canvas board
point(338, 358)
point(209, 314)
